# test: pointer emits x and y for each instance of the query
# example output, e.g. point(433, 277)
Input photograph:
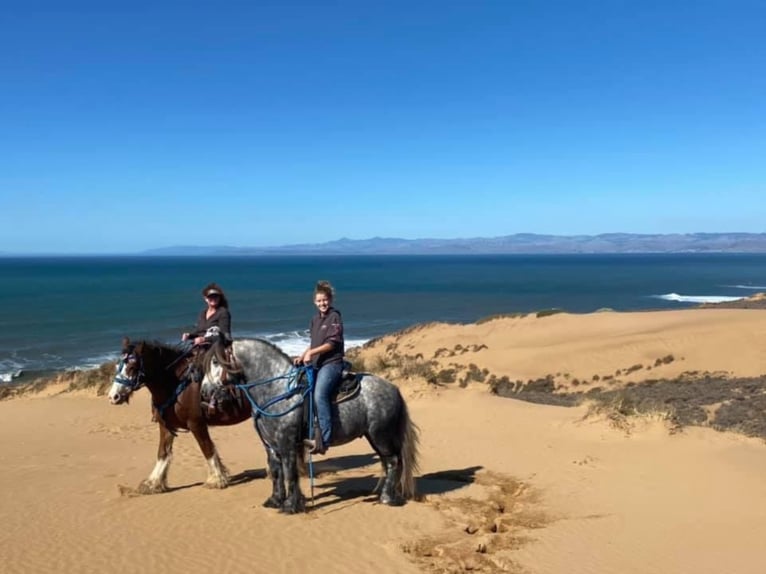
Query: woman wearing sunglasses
point(214, 321)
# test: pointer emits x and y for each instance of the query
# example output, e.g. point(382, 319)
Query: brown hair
point(325, 288)
point(215, 287)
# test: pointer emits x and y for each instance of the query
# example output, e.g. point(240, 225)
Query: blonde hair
point(325, 288)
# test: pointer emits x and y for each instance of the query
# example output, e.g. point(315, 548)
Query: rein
point(180, 388)
point(293, 389)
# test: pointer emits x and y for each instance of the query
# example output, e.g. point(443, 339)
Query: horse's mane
point(163, 347)
point(217, 351)
point(269, 344)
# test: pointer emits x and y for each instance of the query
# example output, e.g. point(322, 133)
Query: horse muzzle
point(119, 394)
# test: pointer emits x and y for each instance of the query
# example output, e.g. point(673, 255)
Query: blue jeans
point(327, 381)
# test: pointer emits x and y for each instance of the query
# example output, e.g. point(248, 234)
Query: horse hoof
point(272, 502)
point(391, 500)
point(216, 484)
point(293, 508)
point(151, 488)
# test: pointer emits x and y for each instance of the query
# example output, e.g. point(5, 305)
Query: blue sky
point(130, 126)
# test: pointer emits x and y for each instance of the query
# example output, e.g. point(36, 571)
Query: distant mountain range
point(520, 243)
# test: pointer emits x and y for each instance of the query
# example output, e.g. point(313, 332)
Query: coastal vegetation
point(98, 380)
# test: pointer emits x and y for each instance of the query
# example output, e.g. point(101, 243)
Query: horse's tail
point(409, 437)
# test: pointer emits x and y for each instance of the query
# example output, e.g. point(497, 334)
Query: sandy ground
point(506, 486)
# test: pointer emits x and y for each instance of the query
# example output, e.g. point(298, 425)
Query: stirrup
point(314, 447)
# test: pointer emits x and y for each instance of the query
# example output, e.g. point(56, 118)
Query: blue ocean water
point(72, 312)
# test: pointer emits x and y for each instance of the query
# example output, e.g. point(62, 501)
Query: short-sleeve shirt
point(327, 329)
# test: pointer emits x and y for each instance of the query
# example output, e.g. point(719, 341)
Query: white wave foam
point(8, 377)
point(96, 361)
point(11, 368)
point(750, 287)
point(697, 298)
point(295, 342)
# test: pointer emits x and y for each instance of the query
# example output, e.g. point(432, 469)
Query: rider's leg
point(328, 378)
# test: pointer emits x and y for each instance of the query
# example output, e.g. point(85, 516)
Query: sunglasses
point(213, 296)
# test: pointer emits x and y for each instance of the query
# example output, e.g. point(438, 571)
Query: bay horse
point(278, 398)
point(176, 404)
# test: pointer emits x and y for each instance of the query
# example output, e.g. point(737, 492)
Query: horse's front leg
point(277, 497)
point(295, 501)
point(217, 475)
point(158, 479)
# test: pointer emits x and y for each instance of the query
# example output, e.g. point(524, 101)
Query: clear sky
point(127, 126)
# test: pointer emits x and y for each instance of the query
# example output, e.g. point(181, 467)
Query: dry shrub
point(548, 312)
point(622, 409)
point(99, 379)
point(500, 316)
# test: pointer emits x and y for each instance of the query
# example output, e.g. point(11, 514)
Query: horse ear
point(125, 344)
point(139, 348)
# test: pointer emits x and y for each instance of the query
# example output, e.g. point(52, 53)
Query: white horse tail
point(410, 438)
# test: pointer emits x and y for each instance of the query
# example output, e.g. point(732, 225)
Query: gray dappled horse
point(176, 404)
point(378, 413)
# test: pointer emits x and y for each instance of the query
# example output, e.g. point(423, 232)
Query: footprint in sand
point(482, 533)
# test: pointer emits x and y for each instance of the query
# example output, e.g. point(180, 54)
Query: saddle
point(349, 387)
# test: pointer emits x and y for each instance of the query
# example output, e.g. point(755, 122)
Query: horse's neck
point(160, 372)
point(261, 361)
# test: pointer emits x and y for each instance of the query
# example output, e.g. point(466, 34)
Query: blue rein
point(293, 389)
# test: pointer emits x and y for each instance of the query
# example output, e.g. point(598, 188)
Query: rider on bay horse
point(213, 327)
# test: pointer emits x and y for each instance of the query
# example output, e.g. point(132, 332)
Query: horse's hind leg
point(389, 459)
point(277, 497)
point(388, 494)
point(157, 481)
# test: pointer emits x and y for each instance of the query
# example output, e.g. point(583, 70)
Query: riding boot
point(315, 445)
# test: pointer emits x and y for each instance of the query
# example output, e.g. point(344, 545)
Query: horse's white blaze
point(159, 475)
point(118, 393)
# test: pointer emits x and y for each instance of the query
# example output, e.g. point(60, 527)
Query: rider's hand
point(185, 337)
point(199, 340)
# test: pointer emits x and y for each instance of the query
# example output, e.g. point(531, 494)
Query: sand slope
point(507, 485)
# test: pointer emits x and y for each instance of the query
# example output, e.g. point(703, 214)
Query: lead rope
point(310, 376)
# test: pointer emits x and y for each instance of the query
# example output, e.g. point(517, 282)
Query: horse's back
point(378, 400)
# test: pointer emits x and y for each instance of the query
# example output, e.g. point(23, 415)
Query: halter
point(133, 383)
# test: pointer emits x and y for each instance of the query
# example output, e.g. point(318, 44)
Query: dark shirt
point(221, 319)
point(327, 329)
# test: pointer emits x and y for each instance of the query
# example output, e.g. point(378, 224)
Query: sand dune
point(506, 485)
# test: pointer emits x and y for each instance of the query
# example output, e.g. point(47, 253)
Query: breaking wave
point(697, 298)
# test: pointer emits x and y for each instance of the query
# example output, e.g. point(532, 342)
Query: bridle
point(136, 381)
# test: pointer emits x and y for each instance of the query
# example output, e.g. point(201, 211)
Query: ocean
point(72, 312)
